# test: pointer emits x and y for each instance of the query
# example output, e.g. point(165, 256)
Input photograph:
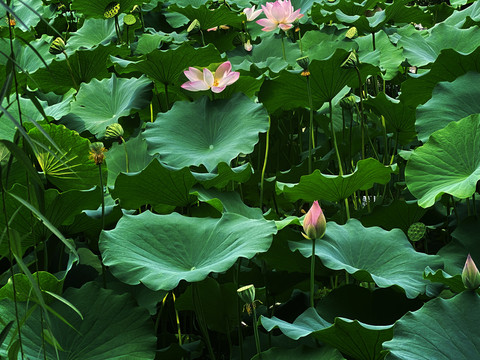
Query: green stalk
point(300, 40)
point(311, 138)
point(312, 275)
point(71, 71)
point(117, 30)
point(10, 259)
point(179, 333)
point(340, 167)
point(126, 152)
point(201, 319)
point(264, 164)
point(283, 47)
point(104, 269)
point(255, 331)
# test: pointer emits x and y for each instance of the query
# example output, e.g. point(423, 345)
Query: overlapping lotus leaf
point(441, 329)
point(162, 250)
point(445, 165)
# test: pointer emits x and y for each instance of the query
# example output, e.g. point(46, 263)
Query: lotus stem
point(10, 259)
point(126, 152)
point(312, 276)
point(474, 205)
point(264, 163)
point(117, 30)
point(179, 333)
point(203, 39)
point(311, 138)
point(71, 71)
point(255, 331)
point(197, 303)
point(104, 269)
point(300, 40)
point(283, 47)
point(339, 160)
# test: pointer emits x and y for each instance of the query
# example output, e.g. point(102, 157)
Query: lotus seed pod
point(351, 33)
point(57, 46)
point(194, 25)
point(114, 131)
point(416, 231)
point(348, 102)
point(129, 19)
point(111, 10)
point(97, 152)
point(303, 62)
point(247, 294)
point(351, 61)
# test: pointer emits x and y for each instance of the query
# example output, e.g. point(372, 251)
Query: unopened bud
point(314, 223)
point(470, 274)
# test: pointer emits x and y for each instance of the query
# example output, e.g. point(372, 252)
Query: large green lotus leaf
point(206, 132)
point(318, 186)
point(373, 254)
point(267, 54)
point(398, 214)
point(224, 175)
point(351, 337)
point(302, 352)
point(70, 169)
point(162, 250)
point(390, 56)
point(328, 78)
point(449, 66)
point(165, 66)
point(400, 119)
point(102, 103)
point(465, 17)
point(96, 9)
point(155, 185)
point(321, 44)
point(138, 159)
point(24, 289)
point(441, 330)
point(28, 110)
point(355, 14)
point(110, 324)
point(93, 32)
point(445, 164)
point(210, 18)
point(420, 50)
point(85, 64)
point(450, 102)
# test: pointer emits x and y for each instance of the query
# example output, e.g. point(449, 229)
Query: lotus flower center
point(215, 82)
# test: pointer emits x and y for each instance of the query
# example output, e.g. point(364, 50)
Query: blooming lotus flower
point(279, 14)
point(251, 13)
point(470, 274)
point(204, 80)
point(314, 223)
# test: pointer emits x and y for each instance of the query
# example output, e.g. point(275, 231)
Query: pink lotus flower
point(314, 223)
point(279, 14)
point(205, 80)
point(251, 13)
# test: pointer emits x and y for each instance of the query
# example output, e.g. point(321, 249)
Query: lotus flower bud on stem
point(314, 224)
point(114, 131)
point(470, 274)
point(57, 46)
point(97, 152)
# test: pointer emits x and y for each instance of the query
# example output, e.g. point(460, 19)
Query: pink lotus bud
point(314, 223)
point(248, 45)
point(470, 274)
